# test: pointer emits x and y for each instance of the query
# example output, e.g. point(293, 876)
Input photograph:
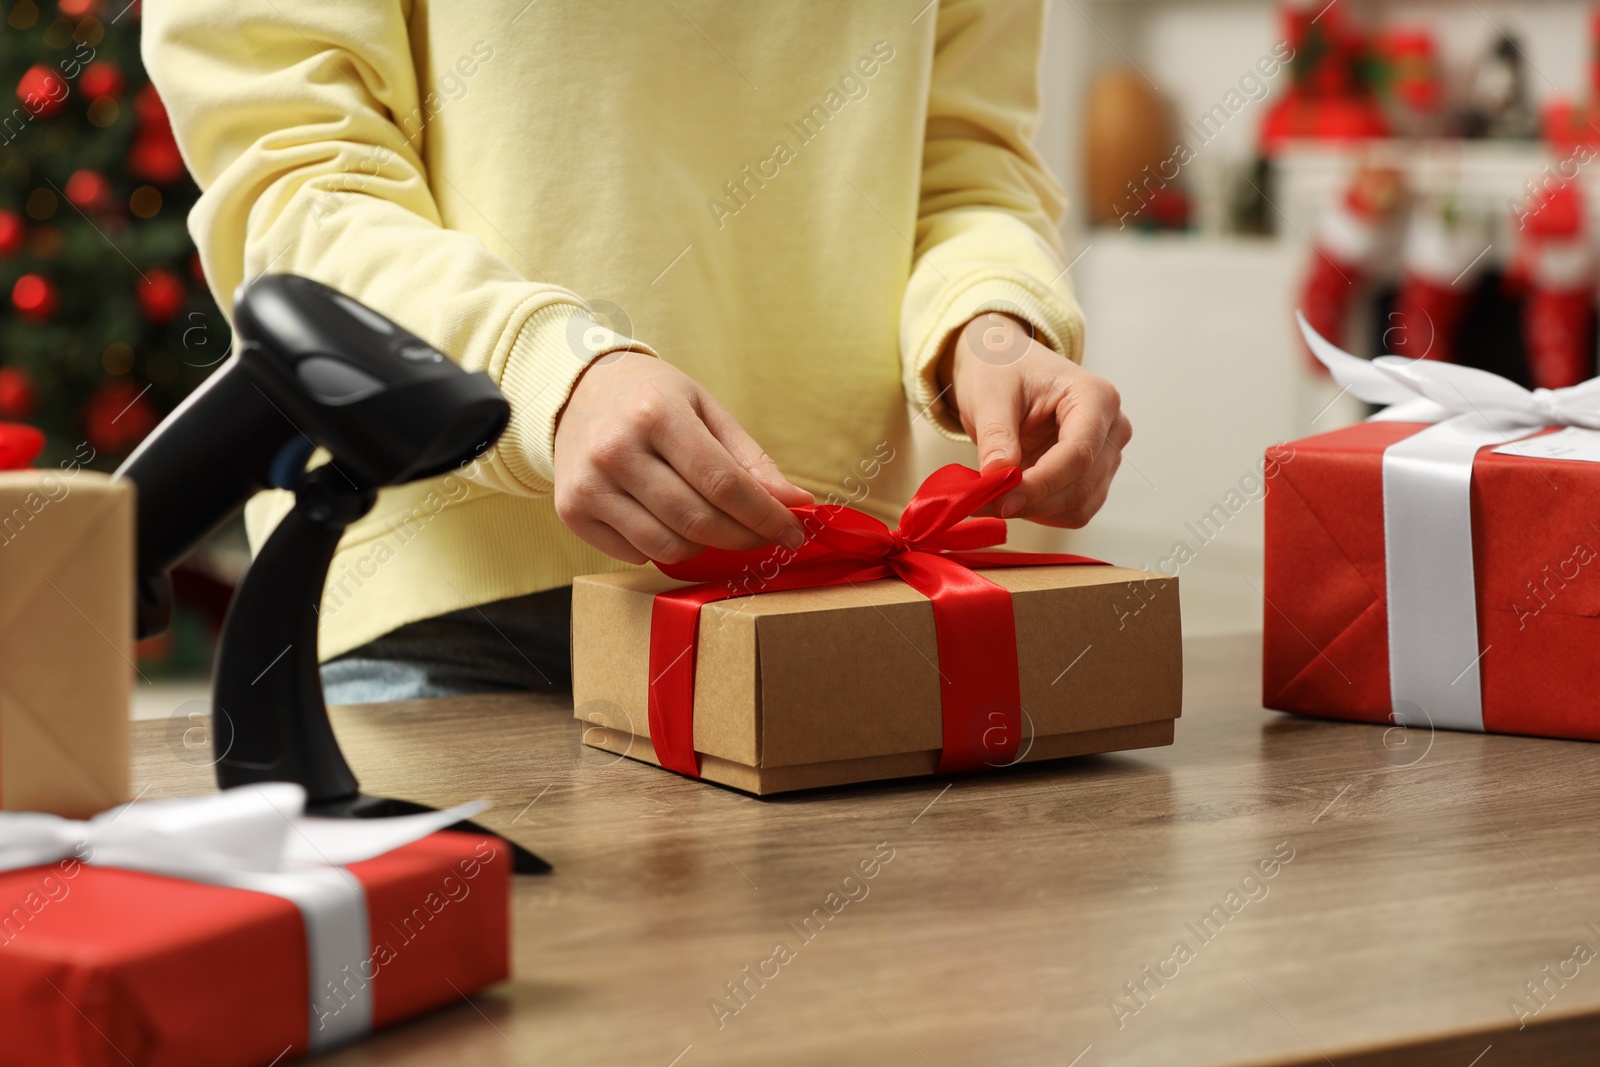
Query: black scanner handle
point(312, 368)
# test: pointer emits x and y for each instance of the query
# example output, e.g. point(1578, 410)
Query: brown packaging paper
point(66, 633)
point(820, 687)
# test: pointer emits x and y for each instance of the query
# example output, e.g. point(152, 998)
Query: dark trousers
point(514, 645)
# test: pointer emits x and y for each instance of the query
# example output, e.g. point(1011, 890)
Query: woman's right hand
point(649, 466)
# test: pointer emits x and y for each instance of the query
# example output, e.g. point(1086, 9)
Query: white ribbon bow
point(1429, 390)
point(259, 829)
point(1427, 512)
point(258, 838)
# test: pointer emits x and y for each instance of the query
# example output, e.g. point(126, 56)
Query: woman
point(669, 229)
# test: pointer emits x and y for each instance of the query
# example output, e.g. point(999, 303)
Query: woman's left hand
point(1027, 406)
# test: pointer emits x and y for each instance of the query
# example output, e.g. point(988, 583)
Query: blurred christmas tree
point(105, 321)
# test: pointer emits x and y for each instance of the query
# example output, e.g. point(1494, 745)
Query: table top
point(1342, 894)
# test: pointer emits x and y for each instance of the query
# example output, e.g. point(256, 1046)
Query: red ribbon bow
point(933, 551)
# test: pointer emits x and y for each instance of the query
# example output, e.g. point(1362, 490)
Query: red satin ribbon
point(932, 551)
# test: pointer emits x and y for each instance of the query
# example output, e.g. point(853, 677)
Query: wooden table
point(1421, 881)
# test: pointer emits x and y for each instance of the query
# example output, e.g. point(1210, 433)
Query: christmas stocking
point(1343, 249)
point(1439, 261)
point(1557, 266)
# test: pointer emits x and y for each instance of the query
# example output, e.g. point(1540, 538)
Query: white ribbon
point(1427, 511)
point(254, 838)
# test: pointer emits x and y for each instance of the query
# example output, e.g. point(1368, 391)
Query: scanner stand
point(269, 719)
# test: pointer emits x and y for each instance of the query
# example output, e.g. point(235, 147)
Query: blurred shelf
point(1187, 239)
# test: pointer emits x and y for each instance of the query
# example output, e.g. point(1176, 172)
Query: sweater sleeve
point(302, 122)
point(987, 237)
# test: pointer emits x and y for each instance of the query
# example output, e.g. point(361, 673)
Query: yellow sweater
point(797, 203)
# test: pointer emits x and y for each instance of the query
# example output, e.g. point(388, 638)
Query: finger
point(576, 498)
point(1080, 492)
point(607, 540)
point(751, 456)
point(687, 444)
point(685, 512)
point(642, 530)
point(1091, 414)
point(993, 409)
point(1078, 518)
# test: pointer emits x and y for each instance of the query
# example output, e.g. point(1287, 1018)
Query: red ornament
point(88, 189)
point(160, 294)
point(154, 157)
point(101, 78)
point(17, 396)
point(34, 297)
point(13, 233)
point(19, 445)
point(117, 417)
point(78, 8)
point(147, 103)
point(42, 91)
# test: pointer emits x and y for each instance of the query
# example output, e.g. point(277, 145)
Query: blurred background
point(1421, 177)
point(105, 321)
point(1415, 174)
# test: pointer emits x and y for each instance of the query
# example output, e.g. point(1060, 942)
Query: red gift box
point(101, 966)
point(1536, 553)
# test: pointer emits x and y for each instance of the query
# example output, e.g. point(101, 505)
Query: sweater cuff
point(555, 345)
point(1055, 318)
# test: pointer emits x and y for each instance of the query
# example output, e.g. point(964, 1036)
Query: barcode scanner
point(311, 368)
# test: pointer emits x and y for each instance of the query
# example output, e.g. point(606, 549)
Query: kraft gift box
point(66, 640)
point(826, 686)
